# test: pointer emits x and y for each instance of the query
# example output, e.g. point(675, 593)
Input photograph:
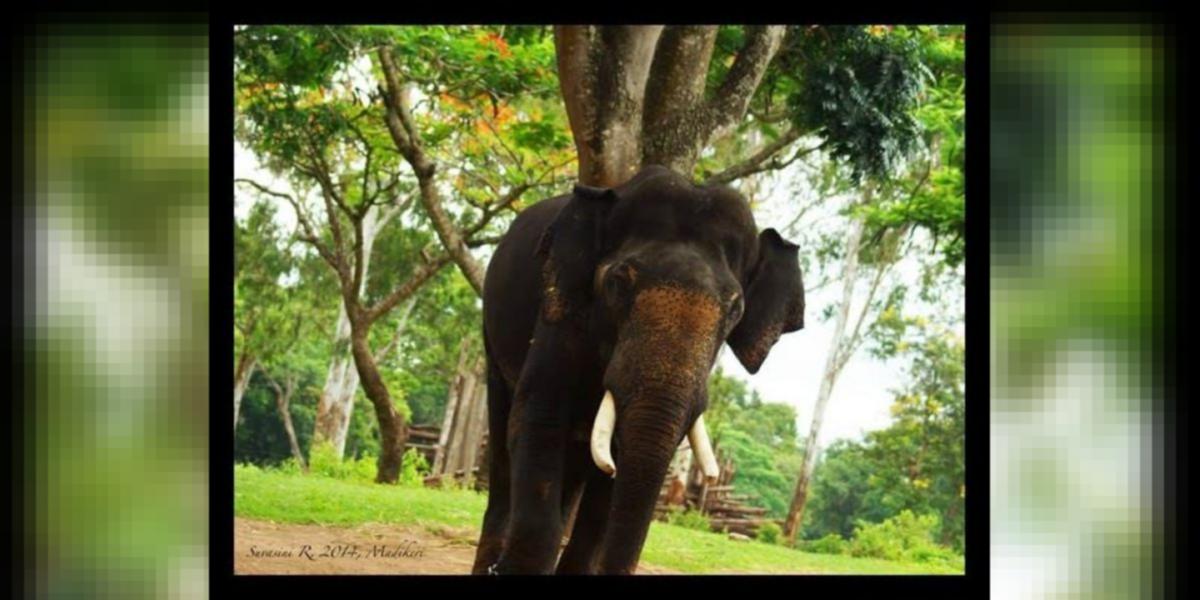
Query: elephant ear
point(774, 301)
point(571, 247)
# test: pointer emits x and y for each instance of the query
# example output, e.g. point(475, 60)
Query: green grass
point(311, 499)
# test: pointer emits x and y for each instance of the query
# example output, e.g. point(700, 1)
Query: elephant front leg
point(580, 556)
point(536, 442)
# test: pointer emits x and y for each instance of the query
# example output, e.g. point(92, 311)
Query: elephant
point(604, 312)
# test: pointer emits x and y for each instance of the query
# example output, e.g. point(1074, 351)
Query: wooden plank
point(475, 425)
point(452, 398)
point(455, 451)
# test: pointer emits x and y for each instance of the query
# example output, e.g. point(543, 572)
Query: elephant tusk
point(602, 432)
point(702, 448)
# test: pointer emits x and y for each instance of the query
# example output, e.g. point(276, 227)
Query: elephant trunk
point(605, 423)
point(646, 440)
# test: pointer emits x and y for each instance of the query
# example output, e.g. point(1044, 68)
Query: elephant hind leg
point(495, 519)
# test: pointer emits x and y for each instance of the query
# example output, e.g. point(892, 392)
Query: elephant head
point(661, 272)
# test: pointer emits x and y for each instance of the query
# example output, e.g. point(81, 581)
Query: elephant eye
point(616, 282)
point(735, 306)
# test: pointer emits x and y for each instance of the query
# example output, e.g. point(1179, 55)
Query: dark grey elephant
point(604, 311)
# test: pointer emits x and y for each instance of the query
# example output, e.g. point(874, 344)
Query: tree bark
point(407, 140)
point(241, 379)
point(603, 73)
point(678, 477)
point(451, 411)
point(283, 400)
point(336, 405)
point(676, 88)
point(685, 122)
point(834, 361)
point(392, 430)
point(635, 94)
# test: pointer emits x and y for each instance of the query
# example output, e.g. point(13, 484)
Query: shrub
point(413, 468)
point(770, 532)
point(830, 544)
point(290, 467)
point(904, 537)
point(689, 519)
point(324, 461)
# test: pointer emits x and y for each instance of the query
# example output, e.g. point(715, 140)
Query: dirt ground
point(267, 548)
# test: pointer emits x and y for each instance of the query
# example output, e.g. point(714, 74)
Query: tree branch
point(309, 236)
point(404, 135)
point(733, 97)
point(678, 73)
point(416, 279)
point(755, 162)
point(400, 327)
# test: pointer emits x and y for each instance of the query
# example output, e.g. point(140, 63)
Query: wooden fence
point(458, 448)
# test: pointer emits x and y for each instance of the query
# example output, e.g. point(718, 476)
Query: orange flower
point(494, 40)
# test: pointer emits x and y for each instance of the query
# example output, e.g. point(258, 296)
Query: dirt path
point(264, 547)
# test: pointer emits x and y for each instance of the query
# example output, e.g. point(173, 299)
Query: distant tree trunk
point(336, 405)
point(241, 379)
point(834, 361)
point(283, 401)
point(635, 94)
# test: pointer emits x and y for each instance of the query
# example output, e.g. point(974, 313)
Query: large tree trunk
point(834, 360)
point(241, 379)
point(392, 431)
point(336, 404)
point(673, 124)
point(635, 95)
point(603, 73)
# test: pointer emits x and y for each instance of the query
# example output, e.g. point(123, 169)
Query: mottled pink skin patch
point(671, 335)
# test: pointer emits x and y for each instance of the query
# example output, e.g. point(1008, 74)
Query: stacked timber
point(727, 511)
point(459, 448)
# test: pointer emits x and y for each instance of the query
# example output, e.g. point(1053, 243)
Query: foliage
point(829, 544)
point(323, 461)
point(264, 319)
point(769, 533)
point(689, 519)
point(904, 537)
point(761, 438)
point(414, 468)
point(859, 86)
point(930, 193)
point(260, 437)
point(917, 463)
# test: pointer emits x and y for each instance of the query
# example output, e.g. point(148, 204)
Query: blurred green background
point(116, 197)
point(1077, 147)
point(116, 205)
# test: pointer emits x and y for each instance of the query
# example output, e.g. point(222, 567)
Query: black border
point(975, 581)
